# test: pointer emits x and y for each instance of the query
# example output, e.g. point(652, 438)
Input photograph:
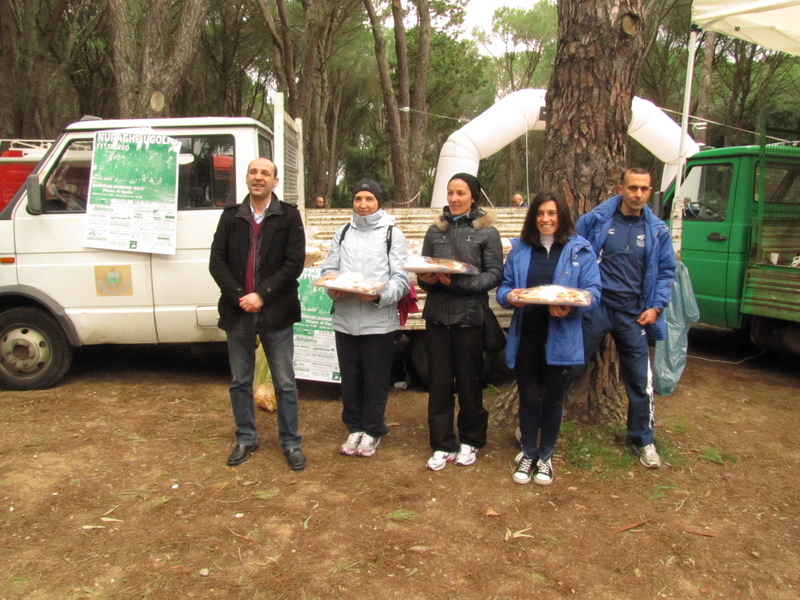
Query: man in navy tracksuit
point(637, 268)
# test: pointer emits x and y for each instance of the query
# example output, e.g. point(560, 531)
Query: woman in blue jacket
point(544, 341)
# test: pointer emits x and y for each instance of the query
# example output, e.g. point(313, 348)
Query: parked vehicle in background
point(742, 253)
point(56, 294)
point(17, 160)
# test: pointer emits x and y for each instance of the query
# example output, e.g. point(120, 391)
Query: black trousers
point(455, 364)
point(365, 363)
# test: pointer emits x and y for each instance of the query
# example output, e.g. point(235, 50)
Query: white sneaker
point(350, 446)
point(439, 460)
point(647, 455)
point(467, 455)
point(367, 445)
point(524, 471)
point(544, 472)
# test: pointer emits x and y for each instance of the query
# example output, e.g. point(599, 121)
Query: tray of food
point(426, 264)
point(350, 282)
point(554, 294)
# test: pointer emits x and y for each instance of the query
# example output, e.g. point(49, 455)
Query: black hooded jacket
point(473, 240)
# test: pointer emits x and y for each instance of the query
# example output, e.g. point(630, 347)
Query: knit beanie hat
point(472, 182)
point(370, 186)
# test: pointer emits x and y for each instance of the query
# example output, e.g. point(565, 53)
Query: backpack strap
point(344, 231)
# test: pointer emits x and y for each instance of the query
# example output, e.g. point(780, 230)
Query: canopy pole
point(676, 228)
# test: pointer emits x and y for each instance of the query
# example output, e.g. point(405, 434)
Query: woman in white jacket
point(371, 245)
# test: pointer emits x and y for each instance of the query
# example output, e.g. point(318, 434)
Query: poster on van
point(314, 340)
point(133, 192)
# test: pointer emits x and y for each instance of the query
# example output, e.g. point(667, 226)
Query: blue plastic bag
point(680, 315)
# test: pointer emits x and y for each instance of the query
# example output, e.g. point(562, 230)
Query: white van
point(56, 294)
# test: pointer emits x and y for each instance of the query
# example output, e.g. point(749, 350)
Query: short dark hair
point(635, 171)
point(530, 233)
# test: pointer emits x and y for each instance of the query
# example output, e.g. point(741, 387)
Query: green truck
point(743, 254)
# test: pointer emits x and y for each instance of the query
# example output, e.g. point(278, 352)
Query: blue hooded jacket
point(659, 271)
point(576, 268)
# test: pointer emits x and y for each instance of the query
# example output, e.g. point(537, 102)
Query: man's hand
point(251, 303)
point(648, 317)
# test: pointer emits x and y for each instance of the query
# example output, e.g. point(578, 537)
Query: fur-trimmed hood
point(479, 217)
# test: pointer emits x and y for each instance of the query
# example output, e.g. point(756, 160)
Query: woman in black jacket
point(454, 327)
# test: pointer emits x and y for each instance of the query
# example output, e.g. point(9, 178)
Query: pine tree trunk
point(596, 68)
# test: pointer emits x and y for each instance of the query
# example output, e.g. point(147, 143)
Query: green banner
point(133, 192)
point(314, 342)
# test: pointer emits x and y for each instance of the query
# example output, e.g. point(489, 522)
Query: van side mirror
point(657, 203)
point(34, 194)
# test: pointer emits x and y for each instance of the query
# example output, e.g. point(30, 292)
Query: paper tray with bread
point(350, 282)
point(555, 294)
point(426, 264)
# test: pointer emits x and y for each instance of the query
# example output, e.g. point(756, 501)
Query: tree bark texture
point(147, 57)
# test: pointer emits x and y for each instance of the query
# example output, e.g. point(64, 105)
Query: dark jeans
point(455, 363)
point(541, 397)
point(634, 359)
point(365, 363)
point(279, 347)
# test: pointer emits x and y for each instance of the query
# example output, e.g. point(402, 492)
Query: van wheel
point(34, 351)
point(419, 358)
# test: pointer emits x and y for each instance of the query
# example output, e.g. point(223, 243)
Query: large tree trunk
point(149, 61)
point(589, 108)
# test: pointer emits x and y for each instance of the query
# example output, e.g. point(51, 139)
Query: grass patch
point(401, 515)
point(715, 456)
point(603, 449)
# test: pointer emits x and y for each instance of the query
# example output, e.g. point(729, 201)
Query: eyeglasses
point(639, 188)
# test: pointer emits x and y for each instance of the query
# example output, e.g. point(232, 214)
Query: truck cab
point(740, 250)
point(56, 294)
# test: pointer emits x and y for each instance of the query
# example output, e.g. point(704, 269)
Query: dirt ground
point(114, 485)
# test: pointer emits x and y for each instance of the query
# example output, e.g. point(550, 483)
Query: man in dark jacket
point(256, 258)
point(637, 268)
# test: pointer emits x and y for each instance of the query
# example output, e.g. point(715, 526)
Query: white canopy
point(773, 24)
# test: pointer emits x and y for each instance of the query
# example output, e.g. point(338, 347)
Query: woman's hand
point(431, 278)
point(559, 310)
point(338, 294)
point(512, 299)
point(366, 298)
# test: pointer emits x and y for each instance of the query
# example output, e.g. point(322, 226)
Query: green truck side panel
point(772, 292)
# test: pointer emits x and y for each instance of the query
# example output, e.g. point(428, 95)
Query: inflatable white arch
point(522, 111)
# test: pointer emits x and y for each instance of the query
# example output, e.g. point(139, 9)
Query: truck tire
point(419, 359)
point(34, 351)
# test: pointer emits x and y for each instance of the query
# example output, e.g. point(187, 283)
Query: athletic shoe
point(367, 445)
point(439, 460)
point(467, 455)
point(524, 471)
point(544, 472)
point(647, 455)
point(350, 446)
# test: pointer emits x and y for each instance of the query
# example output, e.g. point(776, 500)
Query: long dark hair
point(530, 233)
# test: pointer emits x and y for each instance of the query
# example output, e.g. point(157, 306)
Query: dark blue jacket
point(576, 268)
point(659, 256)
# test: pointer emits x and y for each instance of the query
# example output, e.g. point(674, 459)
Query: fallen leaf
point(111, 519)
point(492, 513)
point(419, 548)
point(93, 527)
